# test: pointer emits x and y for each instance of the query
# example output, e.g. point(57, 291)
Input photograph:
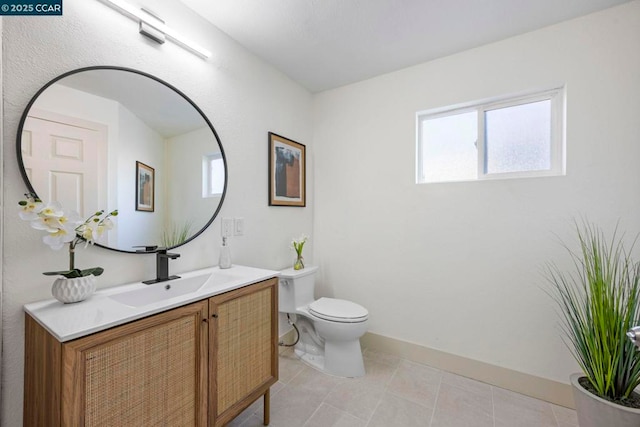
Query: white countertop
point(99, 312)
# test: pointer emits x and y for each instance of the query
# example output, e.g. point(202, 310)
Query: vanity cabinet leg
point(267, 405)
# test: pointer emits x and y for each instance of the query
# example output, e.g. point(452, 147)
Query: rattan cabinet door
point(243, 335)
point(151, 372)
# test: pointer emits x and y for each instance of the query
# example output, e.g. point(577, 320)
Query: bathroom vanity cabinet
point(196, 365)
point(244, 349)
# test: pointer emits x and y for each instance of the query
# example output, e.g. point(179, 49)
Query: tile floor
point(396, 392)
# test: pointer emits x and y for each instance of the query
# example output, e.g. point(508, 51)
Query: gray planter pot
point(596, 412)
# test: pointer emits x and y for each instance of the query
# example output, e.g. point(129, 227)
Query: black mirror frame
point(23, 171)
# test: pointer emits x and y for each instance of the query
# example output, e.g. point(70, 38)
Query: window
point(511, 138)
point(212, 175)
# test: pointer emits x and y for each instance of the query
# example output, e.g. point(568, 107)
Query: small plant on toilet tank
point(298, 245)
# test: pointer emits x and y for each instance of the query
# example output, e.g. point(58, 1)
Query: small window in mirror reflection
point(212, 175)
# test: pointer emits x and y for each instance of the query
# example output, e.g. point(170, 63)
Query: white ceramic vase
point(73, 290)
point(594, 411)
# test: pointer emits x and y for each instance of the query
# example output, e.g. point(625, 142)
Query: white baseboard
point(530, 385)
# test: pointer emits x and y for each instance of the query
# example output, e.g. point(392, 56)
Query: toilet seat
point(338, 310)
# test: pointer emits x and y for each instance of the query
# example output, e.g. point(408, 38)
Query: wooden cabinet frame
point(244, 329)
point(59, 376)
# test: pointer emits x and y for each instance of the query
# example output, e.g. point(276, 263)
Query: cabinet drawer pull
point(204, 320)
point(215, 316)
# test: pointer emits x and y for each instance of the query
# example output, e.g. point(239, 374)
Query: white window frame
point(206, 174)
point(558, 147)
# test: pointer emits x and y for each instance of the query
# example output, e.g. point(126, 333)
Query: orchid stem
point(72, 253)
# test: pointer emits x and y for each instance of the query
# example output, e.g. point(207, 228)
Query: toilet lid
point(338, 310)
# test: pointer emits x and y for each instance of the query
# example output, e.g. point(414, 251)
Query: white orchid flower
point(53, 223)
point(53, 209)
point(56, 240)
point(29, 209)
point(73, 219)
point(104, 225)
point(62, 229)
point(86, 232)
point(49, 218)
point(48, 223)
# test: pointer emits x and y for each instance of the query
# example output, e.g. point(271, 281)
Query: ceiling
point(324, 44)
point(162, 108)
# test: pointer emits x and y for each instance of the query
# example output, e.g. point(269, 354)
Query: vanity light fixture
point(155, 28)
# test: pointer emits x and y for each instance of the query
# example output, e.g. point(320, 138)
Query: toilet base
point(315, 361)
point(341, 358)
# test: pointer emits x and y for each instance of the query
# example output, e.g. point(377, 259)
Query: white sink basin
point(161, 291)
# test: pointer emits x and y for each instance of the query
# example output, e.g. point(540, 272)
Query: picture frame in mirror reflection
point(287, 172)
point(145, 187)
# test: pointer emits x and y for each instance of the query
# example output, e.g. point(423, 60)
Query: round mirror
point(116, 138)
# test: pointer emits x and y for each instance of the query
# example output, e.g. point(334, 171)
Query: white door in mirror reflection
point(65, 159)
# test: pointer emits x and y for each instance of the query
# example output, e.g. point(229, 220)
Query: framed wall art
point(145, 187)
point(287, 172)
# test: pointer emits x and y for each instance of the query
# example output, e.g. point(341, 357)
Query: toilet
point(329, 329)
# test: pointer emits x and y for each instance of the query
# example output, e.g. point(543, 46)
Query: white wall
point(138, 142)
point(184, 165)
point(243, 98)
point(457, 266)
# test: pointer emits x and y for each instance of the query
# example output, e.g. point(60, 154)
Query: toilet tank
point(296, 288)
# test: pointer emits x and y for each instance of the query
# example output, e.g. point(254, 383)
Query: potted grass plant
point(599, 302)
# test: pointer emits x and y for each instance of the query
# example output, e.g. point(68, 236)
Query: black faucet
point(162, 266)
